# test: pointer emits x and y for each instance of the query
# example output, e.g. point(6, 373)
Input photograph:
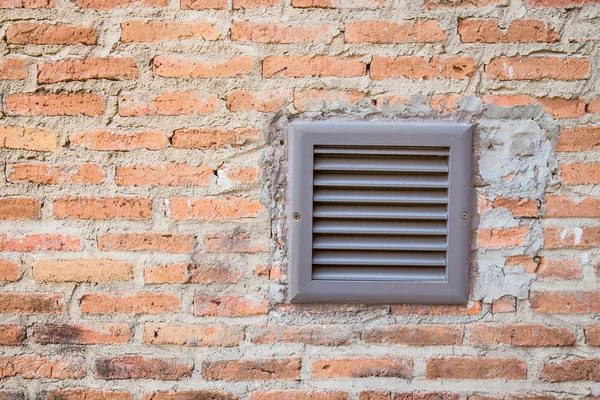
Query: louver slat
point(380, 164)
point(374, 227)
point(420, 151)
point(379, 211)
point(370, 273)
point(370, 180)
point(431, 243)
point(389, 258)
point(326, 195)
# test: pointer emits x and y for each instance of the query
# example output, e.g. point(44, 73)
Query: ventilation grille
point(380, 213)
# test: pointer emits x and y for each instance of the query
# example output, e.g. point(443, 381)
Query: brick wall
point(142, 212)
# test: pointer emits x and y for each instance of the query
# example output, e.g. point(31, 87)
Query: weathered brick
point(517, 206)
point(190, 395)
point(137, 104)
point(26, 4)
point(12, 335)
point(88, 104)
point(298, 395)
point(305, 66)
point(235, 241)
point(203, 4)
point(190, 273)
point(592, 335)
point(39, 242)
point(163, 175)
point(315, 335)
point(236, 173)
point(525, 396)
point(445, 103)
point(214, 138)
point(267, 101)
point(9, 271)
point(565, 302)
point(580, 138)
point(103, 207)
point(238, 4)
point(594, 105)
point(528, 264)
point(417, 67)
point(82, 270)
point(212, 208)
point(185, 67)
point(556, 237)
point(415, 335)
point(81, 333)
point(112, 4)
point(87, 394)
point(381, 395)
point(562, 206)
point(306, 99)
point(476, 368)
point(194, 335)
point(498, 238)
point(436, 4)
point(112, 68)
point(420, 309)
point(251, 370)
point(54, 174)
point(518, 31)
point(362, 368)
point(529, 335)
point(279, 32)
point(505, 304)
point(141, 367)
point(579, 369)
point(34, 366)
point(149, 241)
point(557, 107)
point(11, 395)
point(18, 137)
point(19, 208)
point(424, 31)
point(12, 68)
point(559, 269)
point(160, 31)
point(46, 33)
point(129, 303)
point(230, 305)
point(580, 173)
point(368, 4)
point(109, 140)
point(559, 3)
point(534, 68)
point(391, 100)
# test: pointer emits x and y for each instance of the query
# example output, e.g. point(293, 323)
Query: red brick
point(268, 101)
point(81, 333)
point(87, 394)
point(13, 68)
point(82, 270)
point(230, 305)
point(212, 208)
point(423, 31)
point(528, 264)
point(39, 242)
point(519, 31)
point(26, 4)
point(436, 4)
point(235, 241)
point(580, 138)
point(362, 368)
point(12, 335)
point(239, 4)
point(185, 67)
point(45, 33)
point(315, 335)
point(565, 302)
point(476, 368)
point(160, 31)
point(369, 4)
point(141, 367)
point(19, 208)
point(528, 335)
point(556, 237)
point(594, 106)
point(88, 104)
point(149, 241)
point(381, 395)
point(163, 175)
point(109, 140)
point(579, 369)
point(556, 107)
point(559, 269)
point(298, 395)
point(445, 103)
point(203, 4)
point(306, 99)
point(190, 395)
point(305, 66)
point(517, 206)
point(112, 4)
point(112, 68)
point(103, 207)
point(130, 303)
point(246, 370)
point(526, 396)
point(421, 309)
point(137, 104)
point(562, 206)
point(54, 174)
point(9, 271)
point(18, 137)
point(415, 335)
point(580, 173)
point(592, 335)
point(194, 335)
point(559, 3)
point(391, 100)
point(498, 238)
point(190, 273)
point(417, 67)
point(279, 32)
point(214, 138)
point(33, 366)
point(535, 68)
point(235, 173)
point(505, 304)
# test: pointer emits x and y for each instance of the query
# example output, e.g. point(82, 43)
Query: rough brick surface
point(415, 335)
point(81, 334)
point(362, 368)
point(476, 368)
point(521, 335)
point(247, 370)
point(46, 174)
point(136, 367)
point(81, 270)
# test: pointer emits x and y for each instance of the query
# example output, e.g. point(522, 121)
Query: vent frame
point(304, 136)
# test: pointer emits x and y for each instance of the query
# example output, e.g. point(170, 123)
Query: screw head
point(464, 215)
point(296, 216)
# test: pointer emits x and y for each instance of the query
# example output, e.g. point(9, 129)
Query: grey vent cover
point(379, 212)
